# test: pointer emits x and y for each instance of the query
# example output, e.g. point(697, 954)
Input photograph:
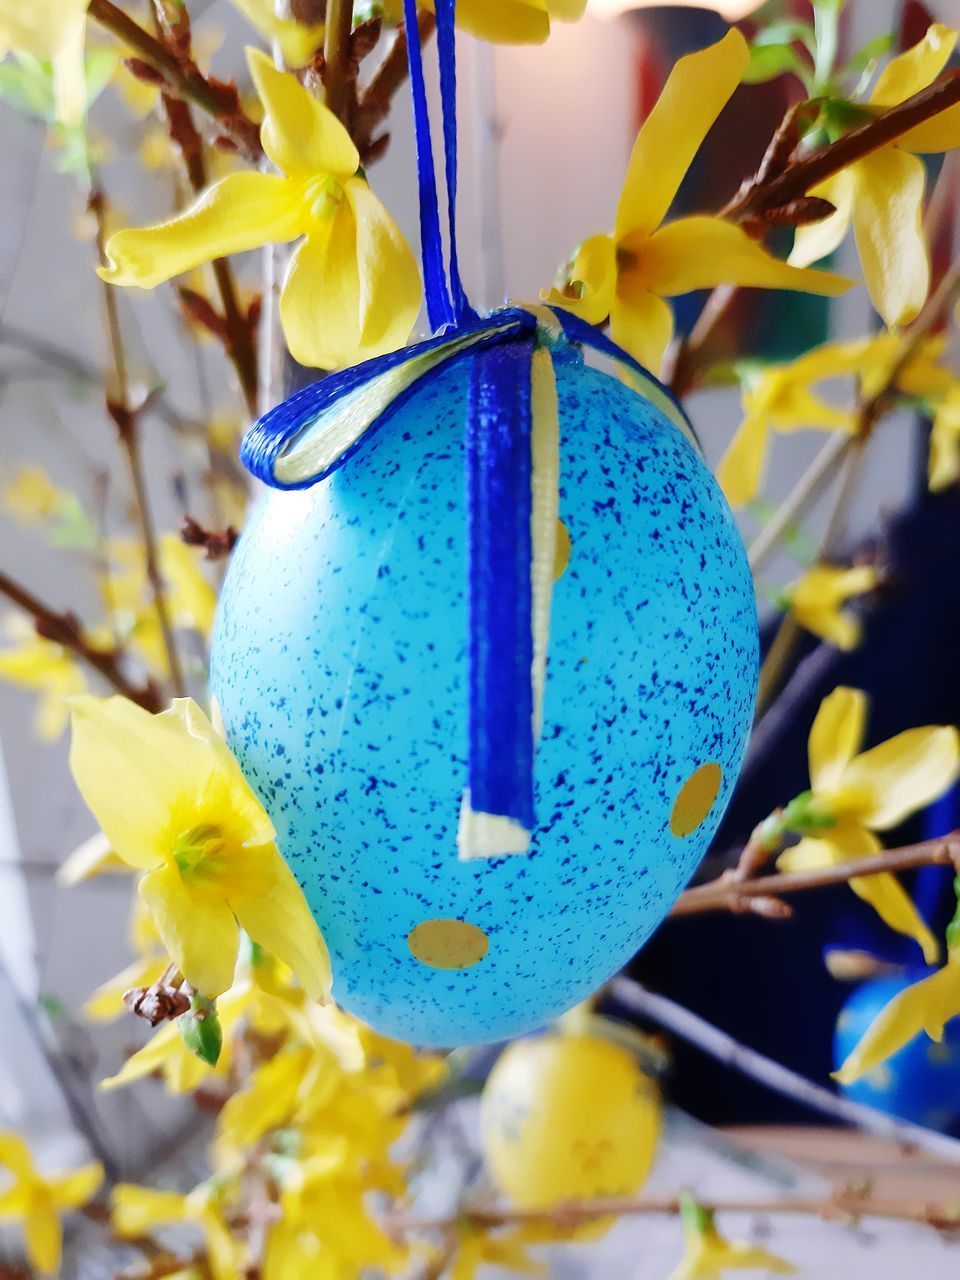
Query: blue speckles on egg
point(340, 666)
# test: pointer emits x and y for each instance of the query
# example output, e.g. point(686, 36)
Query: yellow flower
point(882, 194)
point(707, 1255)
point(297, 41)
point(135, 1211)
point(352, 290)
point(36, 1200)
point(479, 1247)
point(174, 804)
point(853, 795)
point(106, 1003)
point(47, 668)
point(944, 465)
point(816, 601)
point(54, 30)
point(927, 1005)
point(92, 858)
point(626, 276)
point(31, 497)
point(780, 399)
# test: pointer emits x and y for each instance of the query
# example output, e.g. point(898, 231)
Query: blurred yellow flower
point(927, 1005)
point(44, 667)
point(708, 1256)
point(297, 41)
point(352, 290)
point(37, 1200)
point(780, 398)
point(944, 464)
point(627, 275)
point(53, 30)
point(31, 497)
point(817, 598)
point(853, 795)
point(136, 1211)
point(482, 1247)
point(174, 804)
point(882, 194)
point(92, 858)
point(105, 1004)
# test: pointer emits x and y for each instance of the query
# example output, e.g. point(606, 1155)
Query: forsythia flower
point(479, 1247)
point(352, 290)
point(927, 1005)
point(882, 194)
point(944, 465)
point(106, 1003)
point(505, 21)
point(816, 601)
point(626, 276)
point(707, 1255)
point(174, 804)
point(36, 1200)
point(54, 30)
point(780, 399)
point(297, 41)
point(92, 858)
point(31, 497)
point(137, 1210)
point(45, 667)
point(853, 796)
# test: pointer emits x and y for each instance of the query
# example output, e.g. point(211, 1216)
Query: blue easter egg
point(921, 1081)
point(340, 666)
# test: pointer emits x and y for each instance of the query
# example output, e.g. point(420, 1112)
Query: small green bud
point(200, 1029)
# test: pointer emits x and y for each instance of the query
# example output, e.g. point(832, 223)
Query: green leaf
point(870, 52)
point(26, 84)
point(200, 1029)
point(767, 61)
point(786, 33)
point(98, 68)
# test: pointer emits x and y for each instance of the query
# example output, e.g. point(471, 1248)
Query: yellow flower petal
point(819, 239)
point(905, 773)
point(298, 41)
point(93, 857)
point(925, 1006)
point(642, 324)
point(741, 467)
point(806, 855)
point(816, 598)
point(135, 1211)
point(200, 934)
point(939, 133)
point(242, 211)
point(106, 1002)
point(888, 224)
point(44, 1238)
point(944, 468)
point(593, 281)
point(909, 72)
point(300, 135)
point(390, 291)
point(15, 1156)
point(836, 735)
point(280, 921)
point(696, 91)
point(352, 290)
point(701, 252)
point(896, 909)
point(505, 21)
point(75, 1189)
point(69, 78)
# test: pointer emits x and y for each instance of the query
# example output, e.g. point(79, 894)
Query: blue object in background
point(340, 665)
point(921, 1082)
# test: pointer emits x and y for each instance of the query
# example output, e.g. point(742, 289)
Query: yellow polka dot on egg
point(695, 799)
point(564, 546)
point(448, 944)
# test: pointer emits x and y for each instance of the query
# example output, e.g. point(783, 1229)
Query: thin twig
point(65, 629)
point(728, 894)
point(124, 417)
point(183, 78)
point(795, 501)
point(724, 1048)
point(337, 78)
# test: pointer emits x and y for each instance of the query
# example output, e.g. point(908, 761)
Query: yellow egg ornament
point(568, 1117)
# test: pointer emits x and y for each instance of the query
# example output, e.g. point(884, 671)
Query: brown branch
point(760, 200)
point(183, 78)
point(728, 894)
point(374, 104)
point(846, 1204)
point(65, 629)
point(339, 68)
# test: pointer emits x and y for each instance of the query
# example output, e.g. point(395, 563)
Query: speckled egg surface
point(339, 662)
